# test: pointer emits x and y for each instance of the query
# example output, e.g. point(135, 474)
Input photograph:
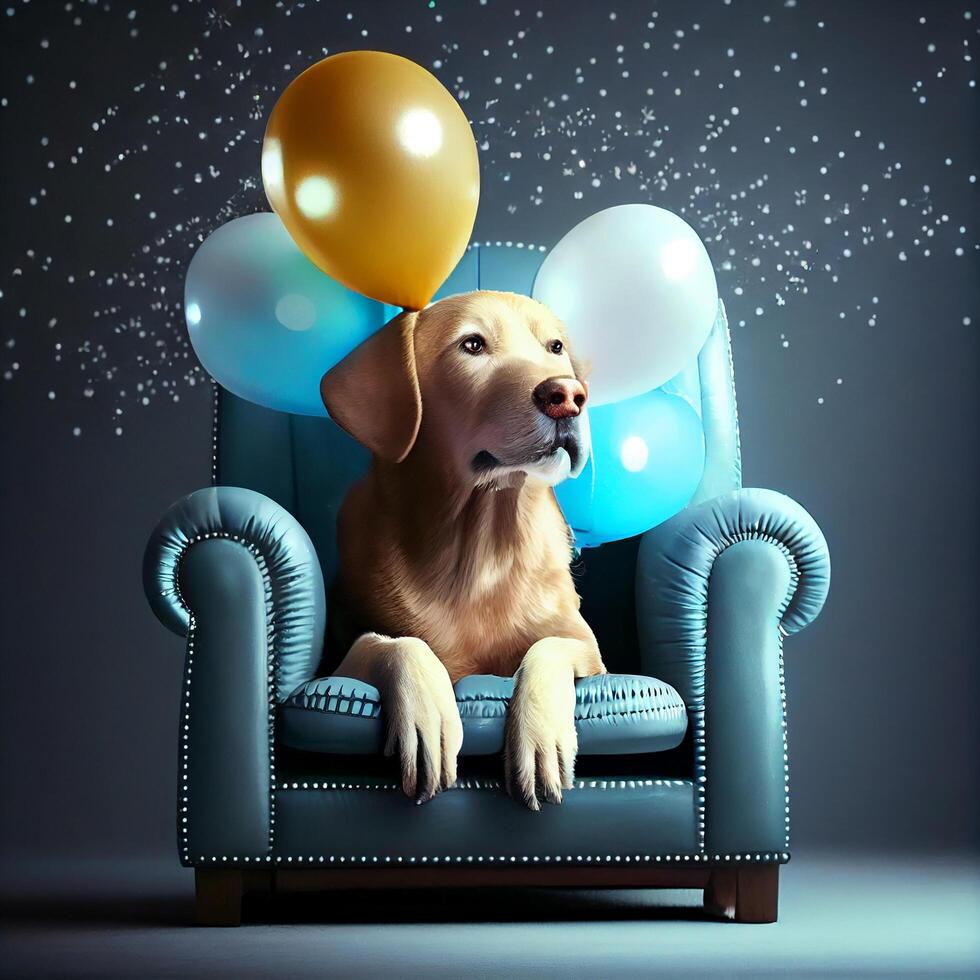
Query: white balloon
point(635, 288)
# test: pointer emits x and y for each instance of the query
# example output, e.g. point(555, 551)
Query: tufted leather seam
point(804, 550)
point(302, 705)
point(337, 714)
point(302, 697)
point(593, 695)
point(310, 705)
point(274, 628)
point(319, 702)
point(590, 697)
point(634, 712)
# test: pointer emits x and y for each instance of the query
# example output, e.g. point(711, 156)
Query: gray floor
point(859, 917)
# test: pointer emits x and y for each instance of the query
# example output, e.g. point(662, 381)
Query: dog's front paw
point(541, 744)
point(424, 726)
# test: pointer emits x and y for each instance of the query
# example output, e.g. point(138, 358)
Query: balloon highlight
point(264, 321)
point(647, 461)
point(371, 165)
point(635, 288)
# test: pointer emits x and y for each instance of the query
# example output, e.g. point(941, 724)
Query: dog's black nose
point(560, 398)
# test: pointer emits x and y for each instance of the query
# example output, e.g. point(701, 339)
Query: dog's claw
point(550, 795)
point(424, 727)
point(539, 755)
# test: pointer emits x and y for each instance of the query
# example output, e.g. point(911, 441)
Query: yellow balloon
point(372, 167)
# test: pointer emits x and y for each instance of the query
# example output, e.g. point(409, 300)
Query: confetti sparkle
point(138, 131)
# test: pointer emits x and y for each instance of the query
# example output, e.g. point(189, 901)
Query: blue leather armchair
point(683, 772)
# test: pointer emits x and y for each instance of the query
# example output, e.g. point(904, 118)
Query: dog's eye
point(474, 344)
point(556, 346)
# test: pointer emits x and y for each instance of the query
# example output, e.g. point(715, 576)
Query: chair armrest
point(292, 583)
point(718, 587)
point(235, 573)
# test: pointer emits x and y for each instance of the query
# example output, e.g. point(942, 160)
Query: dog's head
point(484, 379)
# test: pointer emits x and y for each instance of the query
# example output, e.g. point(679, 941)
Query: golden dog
point(453, 551)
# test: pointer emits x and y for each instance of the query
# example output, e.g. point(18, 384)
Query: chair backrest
point(306, 464)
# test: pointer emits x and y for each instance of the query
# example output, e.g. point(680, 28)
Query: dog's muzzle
point(569, 438)
point(563, 455)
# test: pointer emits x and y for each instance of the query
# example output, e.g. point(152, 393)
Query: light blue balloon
point(647, 460)
point(267, 323)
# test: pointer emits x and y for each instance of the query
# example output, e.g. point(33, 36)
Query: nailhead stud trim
point(731, 380)
point(700, 773)
point(697, 713)
point(701, 857)
point(474, 783)
point(215, 421)
point(785, 731)
point(185, 728)
point(524, 245)
point(752, 857)
point(272, 667)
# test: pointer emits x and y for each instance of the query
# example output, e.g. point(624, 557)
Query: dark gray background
point(105, 415)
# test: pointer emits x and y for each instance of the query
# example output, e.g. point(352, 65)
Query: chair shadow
point(89, 912)
point(472, 906)
point(97, 912)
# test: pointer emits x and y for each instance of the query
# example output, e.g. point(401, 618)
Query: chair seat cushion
point(615, 714)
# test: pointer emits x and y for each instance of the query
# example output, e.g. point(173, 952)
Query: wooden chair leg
point(758, 894)
point(748, 894)
point(219, 896)
point(721, 893)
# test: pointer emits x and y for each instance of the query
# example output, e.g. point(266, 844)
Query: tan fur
point(458, 572)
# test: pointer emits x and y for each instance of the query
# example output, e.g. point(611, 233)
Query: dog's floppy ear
point(373, 393)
